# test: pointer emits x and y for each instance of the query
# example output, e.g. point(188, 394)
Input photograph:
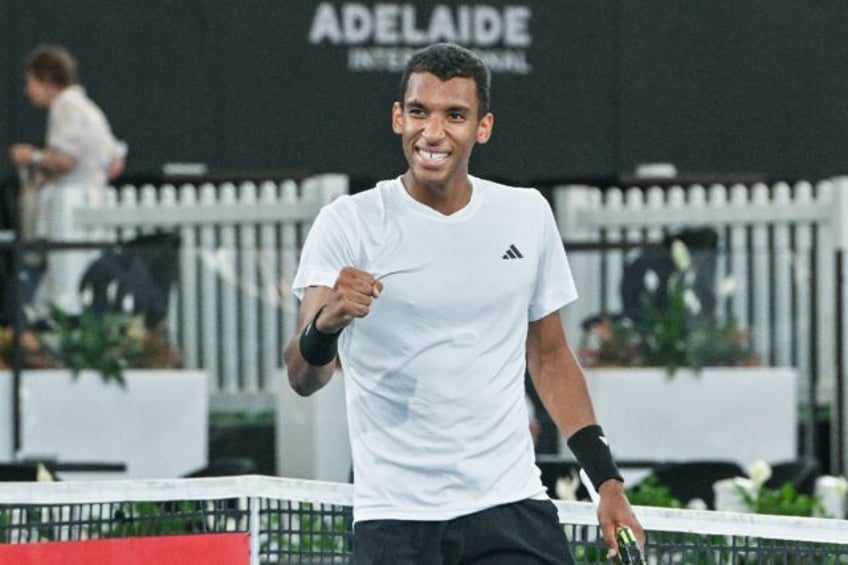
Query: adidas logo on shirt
point(512, 253)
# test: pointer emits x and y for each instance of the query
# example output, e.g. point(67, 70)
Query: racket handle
point(628, 548)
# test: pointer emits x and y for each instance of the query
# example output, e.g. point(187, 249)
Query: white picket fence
point(239, 244)
point(778, 242)
point(239, 248)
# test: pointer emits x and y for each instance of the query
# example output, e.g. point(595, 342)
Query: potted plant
point(155, 422)
point(109, 342)
point(672, 329)
point(673, 382)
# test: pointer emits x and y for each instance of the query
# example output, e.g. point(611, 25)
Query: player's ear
point(397, 117)
point(484, 128)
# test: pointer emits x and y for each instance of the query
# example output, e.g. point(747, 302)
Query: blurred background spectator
point(79, 155)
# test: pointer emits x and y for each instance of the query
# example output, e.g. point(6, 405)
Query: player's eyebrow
point(455, 109)
point(464, 110)
point(414, 104)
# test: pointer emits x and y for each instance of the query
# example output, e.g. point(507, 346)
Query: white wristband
point(36, 157)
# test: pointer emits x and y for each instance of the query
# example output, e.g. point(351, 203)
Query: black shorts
point(522, 533)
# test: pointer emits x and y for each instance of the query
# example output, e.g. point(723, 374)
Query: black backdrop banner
point(581, 89)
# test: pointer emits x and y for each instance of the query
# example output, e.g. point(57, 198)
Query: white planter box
point(157, 425)
point(7, 441)
point(312, 433)
point(735, 413)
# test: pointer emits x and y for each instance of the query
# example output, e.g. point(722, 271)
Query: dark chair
point(225, 467)
point(801, 473)
point(703, 250)
point(552, 471)
point(192, 513)
point(145, 267)
point(694, 479)
point(22, 472)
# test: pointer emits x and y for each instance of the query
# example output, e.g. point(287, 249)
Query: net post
point(839, 422)
point(253, 529)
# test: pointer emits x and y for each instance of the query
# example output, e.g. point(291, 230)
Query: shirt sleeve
point(66, 131)
point(119, 149)
point(327, 249)
point(554, 284)
point(78, 128)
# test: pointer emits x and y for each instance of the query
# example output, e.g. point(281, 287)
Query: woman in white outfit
point(79, 157)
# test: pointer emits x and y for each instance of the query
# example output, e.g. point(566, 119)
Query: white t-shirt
point(434, 375)
point(77, 127)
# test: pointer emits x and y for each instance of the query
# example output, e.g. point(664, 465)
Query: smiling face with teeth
point(439, 123)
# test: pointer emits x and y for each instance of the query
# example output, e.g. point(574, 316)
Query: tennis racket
point(629, 552)
point(628, 548)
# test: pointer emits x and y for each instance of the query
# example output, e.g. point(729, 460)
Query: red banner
point(205, 549)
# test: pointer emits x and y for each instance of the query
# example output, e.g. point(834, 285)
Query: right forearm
point(312, 354)
point(308, 376)
point(304, 378)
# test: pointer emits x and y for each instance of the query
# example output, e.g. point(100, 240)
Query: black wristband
point(593, 453)
point(316, 347)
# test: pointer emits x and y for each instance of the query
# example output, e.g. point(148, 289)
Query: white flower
point(31, 313)
point(87, 296)
point(680, 255)
point(727, 495)
point(128, 303)
point(760, 472)
point(745, 484)
point(693, 303)
point(651, 280)
point(566, 487)
point(112, 292)
point(727, 286)
point(65, 302)
point(697, 504)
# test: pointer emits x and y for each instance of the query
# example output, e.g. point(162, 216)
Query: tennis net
point(298, 521)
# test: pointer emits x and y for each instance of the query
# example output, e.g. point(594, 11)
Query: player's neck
point(445, 198)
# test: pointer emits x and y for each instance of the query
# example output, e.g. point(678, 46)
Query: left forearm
point(560, 383)
point(562, 387)
point(50, 160)
point(56, 161)
point(558, 379)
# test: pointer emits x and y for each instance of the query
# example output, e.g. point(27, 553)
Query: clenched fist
point(353, 292)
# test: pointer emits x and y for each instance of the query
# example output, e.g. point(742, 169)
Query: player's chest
point(454, 269)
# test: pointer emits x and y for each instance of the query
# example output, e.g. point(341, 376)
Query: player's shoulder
point(509, 195)
point(362, 204)
point(371, 199)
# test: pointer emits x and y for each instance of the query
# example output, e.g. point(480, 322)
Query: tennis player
point(432, 292)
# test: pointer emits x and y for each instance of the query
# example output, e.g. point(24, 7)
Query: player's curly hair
point(447, 61)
